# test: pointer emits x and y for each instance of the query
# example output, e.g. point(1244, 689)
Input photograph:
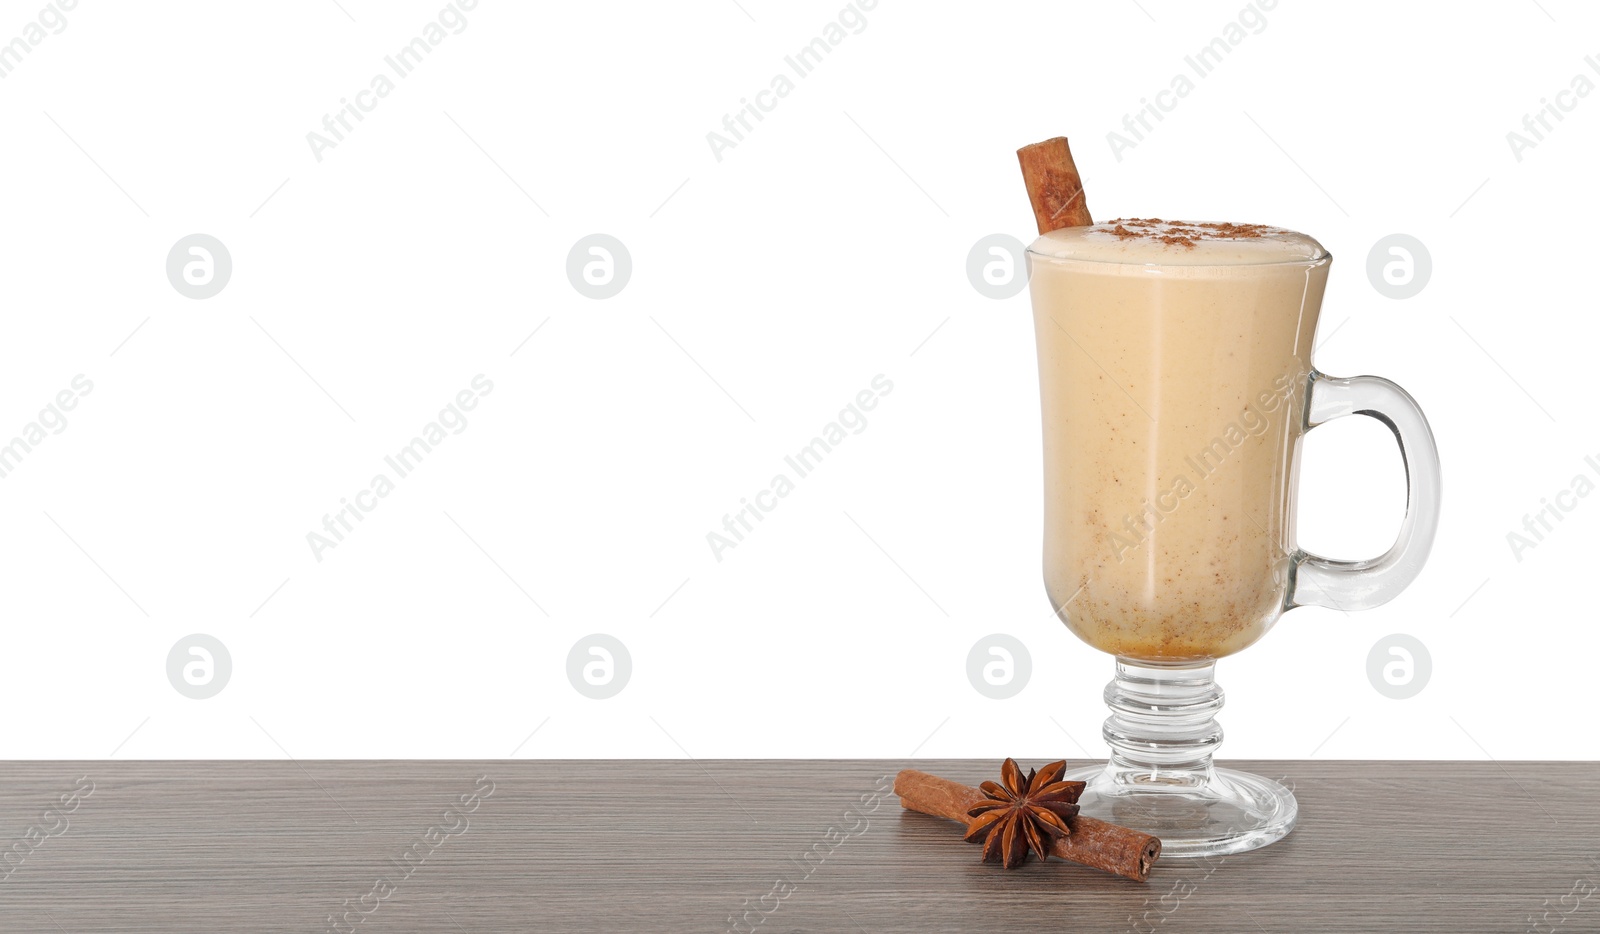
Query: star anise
point(1023, 812)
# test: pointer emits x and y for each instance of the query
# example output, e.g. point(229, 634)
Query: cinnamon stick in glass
point(1054, 186)
point(1092, 842)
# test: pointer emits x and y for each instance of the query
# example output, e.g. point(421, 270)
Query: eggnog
point(1173, 362)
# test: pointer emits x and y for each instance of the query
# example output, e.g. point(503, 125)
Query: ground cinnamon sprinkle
point(1182, 233)
point(1236, 231)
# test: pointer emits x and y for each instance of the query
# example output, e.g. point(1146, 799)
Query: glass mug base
point(1230, 813)
point(1160, 778)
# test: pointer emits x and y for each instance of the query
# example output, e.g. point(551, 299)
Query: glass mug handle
point(1362, 585)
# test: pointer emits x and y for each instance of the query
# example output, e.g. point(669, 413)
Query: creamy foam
point(1140, 242)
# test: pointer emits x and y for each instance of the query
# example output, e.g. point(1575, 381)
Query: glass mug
point(1176, 385)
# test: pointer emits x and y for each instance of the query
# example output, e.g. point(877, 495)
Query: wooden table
point(681, 845)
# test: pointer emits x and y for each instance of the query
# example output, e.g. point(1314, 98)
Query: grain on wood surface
point(768, 845)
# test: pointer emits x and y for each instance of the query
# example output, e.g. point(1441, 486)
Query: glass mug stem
point(1160, 778)
point(1163, 729)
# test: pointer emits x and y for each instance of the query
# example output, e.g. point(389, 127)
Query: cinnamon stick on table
point(1092, 842)
point(1054, 186)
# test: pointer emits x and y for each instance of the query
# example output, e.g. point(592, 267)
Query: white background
point(768, 288)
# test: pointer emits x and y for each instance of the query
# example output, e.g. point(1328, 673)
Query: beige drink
point(1173, 362)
